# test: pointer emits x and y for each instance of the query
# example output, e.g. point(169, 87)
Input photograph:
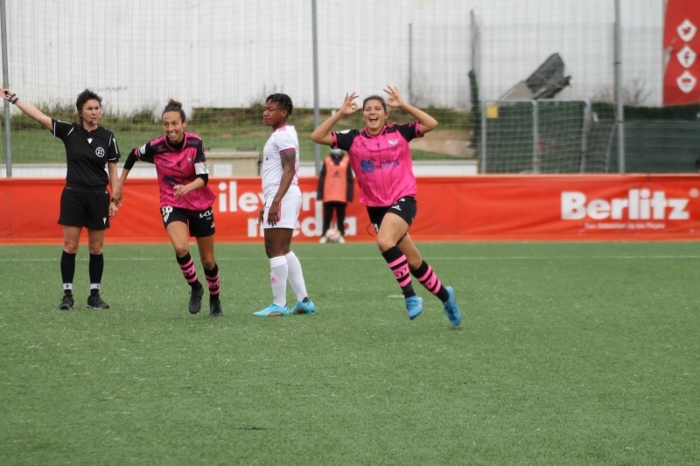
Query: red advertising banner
point(682, 47)
point(490, 207)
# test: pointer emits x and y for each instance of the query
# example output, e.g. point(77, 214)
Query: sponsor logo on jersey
point(367, 166)
point(389, 164)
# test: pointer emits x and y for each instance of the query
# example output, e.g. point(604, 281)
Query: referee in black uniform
point(85, 201)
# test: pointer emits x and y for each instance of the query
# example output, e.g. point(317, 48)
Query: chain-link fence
point(222, 58)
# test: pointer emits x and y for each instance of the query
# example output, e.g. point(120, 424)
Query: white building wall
point(231, 53)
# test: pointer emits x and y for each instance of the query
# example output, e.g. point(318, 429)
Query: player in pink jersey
point(185, 200)
point(280, 213)
point(381, 159)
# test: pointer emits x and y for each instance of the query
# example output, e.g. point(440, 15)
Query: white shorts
point(289, 213)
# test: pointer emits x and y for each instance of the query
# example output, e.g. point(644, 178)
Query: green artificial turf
point(568, 354)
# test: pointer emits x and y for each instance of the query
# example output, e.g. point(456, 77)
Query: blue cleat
point(273, 310)
point(451, 309)
point(414, 304)
point(304, 307)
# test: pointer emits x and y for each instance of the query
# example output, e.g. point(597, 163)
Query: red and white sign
point(485, 207)
point(682, 46)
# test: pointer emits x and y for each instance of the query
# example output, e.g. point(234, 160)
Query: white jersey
point(283, 139)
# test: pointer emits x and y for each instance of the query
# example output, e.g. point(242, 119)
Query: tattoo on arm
point(289, 159)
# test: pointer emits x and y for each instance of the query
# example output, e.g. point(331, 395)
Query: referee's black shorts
point(84, 207)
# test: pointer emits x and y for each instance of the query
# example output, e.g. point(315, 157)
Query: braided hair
point(283, 101)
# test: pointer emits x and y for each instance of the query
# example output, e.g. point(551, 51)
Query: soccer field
point(568, 354)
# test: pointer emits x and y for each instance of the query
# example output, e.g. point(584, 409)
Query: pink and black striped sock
point(188, 270)
point(425, 275)
point(399, 266)
point(212, 277)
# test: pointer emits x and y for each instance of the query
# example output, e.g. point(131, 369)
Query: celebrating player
point(185, 200)
point(281, 210)
point(381, 159)
point(85, 200)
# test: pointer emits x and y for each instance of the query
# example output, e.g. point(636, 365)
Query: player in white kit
point(280, 176)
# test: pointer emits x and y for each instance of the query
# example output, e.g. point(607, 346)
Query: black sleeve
point(200, 157)
point(61, 129)
point(409, 131)
point(113, 149)
point(321, 181)
point(344, 139)
point(145, 153)
point(204, 177)
point(130, 160)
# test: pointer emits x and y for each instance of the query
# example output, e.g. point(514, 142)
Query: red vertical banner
point(682, 52)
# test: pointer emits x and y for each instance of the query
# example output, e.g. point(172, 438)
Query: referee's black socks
point(67, 272)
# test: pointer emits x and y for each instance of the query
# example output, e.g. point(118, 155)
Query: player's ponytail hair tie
point(175, 106)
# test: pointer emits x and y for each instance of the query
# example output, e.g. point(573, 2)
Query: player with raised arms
point(381, 159)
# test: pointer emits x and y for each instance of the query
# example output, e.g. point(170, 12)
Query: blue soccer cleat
point(273, 310)
point(451, 309)
point(304, 307)
point(414, 304)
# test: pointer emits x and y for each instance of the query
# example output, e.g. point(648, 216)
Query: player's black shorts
point(405, 208)
point(200, 223)
point(84, 207)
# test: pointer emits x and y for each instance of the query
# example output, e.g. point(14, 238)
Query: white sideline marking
point(372, 258)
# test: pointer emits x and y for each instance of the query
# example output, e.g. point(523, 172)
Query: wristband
point(113, 200)
point(14, 100)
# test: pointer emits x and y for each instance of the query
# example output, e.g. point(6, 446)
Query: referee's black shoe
point(215, 309)
point(95, 302)
point(66, 302)
point(196, 299)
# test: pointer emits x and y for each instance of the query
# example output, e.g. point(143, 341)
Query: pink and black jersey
point(178, 166)
point(382, 163)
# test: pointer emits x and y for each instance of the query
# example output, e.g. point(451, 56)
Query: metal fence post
point(620, 114)
point(482, 106)
point(317, 110)
point(6, 85)
point(535, 137)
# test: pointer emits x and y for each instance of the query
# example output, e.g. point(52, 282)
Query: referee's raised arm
point(28, 109)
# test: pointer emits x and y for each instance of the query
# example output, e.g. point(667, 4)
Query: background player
point(336, 188)
point(85, 200)
point(381, 158)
